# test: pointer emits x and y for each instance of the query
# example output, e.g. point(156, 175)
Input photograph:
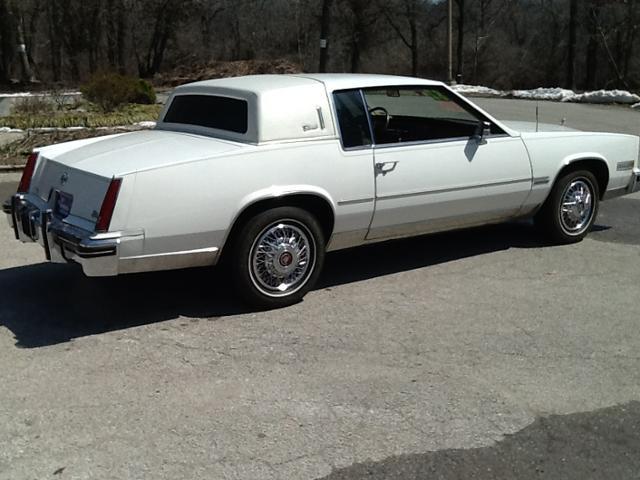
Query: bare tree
point(460, 42)
point(166, 16)
point(408, 11)
point(571, 56)
point(502, 43)
point(592, 44)
point(363, 15)
point(325, 24)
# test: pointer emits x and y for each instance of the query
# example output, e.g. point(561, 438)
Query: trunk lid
point(117, 155)
point(84, 168)
point(87, 189)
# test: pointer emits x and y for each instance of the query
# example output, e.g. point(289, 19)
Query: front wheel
point(571, 208)
point(277, 257)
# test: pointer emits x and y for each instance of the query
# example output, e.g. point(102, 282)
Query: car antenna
point(537, 115)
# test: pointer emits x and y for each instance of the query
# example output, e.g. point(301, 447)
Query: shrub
point(110, 90)
point(143, 93)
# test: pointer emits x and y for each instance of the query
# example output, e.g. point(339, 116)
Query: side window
point(413, 114)
point(352, 117)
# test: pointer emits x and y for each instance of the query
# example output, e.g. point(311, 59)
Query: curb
point(11, 168)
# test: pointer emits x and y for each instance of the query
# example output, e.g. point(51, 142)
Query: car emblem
point(64, 178)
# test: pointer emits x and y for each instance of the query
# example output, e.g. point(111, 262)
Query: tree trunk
point(631, 33)
point(571, 56)
point(27, 71)
point(6, 42)
point(121, 39)
point(355, 52)
point(325, 23)
point(414, 45)
point(592, 47)
point(460, 45)
point(55, 51)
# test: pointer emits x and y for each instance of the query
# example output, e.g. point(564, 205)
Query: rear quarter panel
point(192, 206)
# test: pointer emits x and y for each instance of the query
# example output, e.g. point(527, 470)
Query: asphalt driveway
point(477, 354)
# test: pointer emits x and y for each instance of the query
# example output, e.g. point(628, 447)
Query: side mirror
point(483, 130)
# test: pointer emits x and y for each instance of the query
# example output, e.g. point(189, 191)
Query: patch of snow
point(606, 96)
point(136, 126)
point(552, 94)
point(146, 124)
point(56, 129)
point(637, 105)
point(37, 94)
point(10, 130)
point(555, 95)
point(477, 89)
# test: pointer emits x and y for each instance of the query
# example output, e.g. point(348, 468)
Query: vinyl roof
point(332, 81)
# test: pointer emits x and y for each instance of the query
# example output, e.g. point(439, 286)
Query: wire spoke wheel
point(577, 206)
point(282, 258)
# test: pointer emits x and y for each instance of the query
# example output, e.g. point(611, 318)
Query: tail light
point(27, 173)
point(108, 205)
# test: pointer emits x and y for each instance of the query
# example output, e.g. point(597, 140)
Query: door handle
point(383, 168)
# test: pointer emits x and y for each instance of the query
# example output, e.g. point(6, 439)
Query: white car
point(269, 172)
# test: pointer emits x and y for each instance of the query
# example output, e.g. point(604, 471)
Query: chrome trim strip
point(540, 180)
point(355, 201)
point(320, 117)
point(171, 254)
point(355, 149)
point(438, 140)
point(366, 111)
point(615, 192)
point(623, 166)
point(453, 189)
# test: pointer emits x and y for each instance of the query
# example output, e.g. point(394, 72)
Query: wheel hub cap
point(286, 259)
point(282, 258)
point(577, 206)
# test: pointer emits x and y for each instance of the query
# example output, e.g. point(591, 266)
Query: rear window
point(209, 111)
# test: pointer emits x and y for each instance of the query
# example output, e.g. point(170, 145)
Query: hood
point(120, 154)
point(541, 127)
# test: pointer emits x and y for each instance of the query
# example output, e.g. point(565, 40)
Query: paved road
point(477, 354)
point(599, 118)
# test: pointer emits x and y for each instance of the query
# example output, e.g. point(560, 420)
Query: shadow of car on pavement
point(46, 304)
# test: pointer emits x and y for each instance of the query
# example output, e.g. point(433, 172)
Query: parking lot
point(485, 353)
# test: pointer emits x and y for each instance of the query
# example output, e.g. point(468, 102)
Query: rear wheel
point(277, 257)
point(572, 207)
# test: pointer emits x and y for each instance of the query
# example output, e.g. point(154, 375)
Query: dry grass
point(15, 153)
point(127, 115)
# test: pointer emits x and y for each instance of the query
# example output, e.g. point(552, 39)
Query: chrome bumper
point(634, 186)
point(62, 242)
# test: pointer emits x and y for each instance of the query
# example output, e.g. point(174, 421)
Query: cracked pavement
point(458, 346)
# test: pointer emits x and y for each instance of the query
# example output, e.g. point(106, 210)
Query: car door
point(435, 169)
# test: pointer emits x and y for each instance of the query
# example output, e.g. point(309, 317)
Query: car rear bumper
point(63, 242)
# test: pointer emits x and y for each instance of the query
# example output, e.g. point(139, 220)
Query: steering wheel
point(387, 117)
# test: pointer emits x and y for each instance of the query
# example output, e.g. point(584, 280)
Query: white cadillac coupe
point(269, 172)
